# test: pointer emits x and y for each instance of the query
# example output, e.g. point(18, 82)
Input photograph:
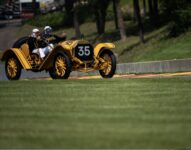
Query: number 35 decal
point(84, 51)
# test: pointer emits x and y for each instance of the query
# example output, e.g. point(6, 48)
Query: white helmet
point(34, 32)
point(47, 29)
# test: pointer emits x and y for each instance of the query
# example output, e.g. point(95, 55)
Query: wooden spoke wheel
point(108, 66)
point(61, 67)
point(13, 68)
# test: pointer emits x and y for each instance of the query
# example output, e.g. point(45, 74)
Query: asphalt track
point(29, 75)
point(165, 75)
point(8, 33)
point(125, 76)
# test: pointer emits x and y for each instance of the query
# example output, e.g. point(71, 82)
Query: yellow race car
point(66, 56)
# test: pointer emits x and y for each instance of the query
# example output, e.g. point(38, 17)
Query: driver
point(47, 34)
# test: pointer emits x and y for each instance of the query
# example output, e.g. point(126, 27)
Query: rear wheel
point(61, 67)
point(108, 64)
point(20, 42)
point(13, 68)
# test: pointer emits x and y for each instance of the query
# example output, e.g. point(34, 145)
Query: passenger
point(33, 38)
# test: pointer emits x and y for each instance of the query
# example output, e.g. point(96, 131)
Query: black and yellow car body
point(66, 56)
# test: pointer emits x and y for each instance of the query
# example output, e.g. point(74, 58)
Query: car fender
point(101, 46)
point(48, 62)
point(20, 56)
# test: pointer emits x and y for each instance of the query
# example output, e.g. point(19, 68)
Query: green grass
point(116, 113)
point(159, 47)
point(126, 2)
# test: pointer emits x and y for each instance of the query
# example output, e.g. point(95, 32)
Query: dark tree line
point(99, 8)
point(72, 7)
point(34, 6)
point(138, 19)
point(120, 21)
point(179, 14)
point(153, 11)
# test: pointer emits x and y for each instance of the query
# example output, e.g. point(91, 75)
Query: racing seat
point(33, 58)
point(25, 50)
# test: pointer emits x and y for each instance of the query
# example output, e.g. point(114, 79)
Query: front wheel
point(61, 67)
point(13, 68)
point(108, 64)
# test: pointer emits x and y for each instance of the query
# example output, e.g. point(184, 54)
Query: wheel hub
point(12, 67)
point(60, 66)
point(107, 64)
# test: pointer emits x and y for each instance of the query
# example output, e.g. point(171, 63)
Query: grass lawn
point(115, 113)
point(158, 48)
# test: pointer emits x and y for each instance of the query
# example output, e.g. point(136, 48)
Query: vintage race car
point(66, 56)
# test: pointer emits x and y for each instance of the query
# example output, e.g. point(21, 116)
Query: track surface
point(8, 33)
point(164, 75)
point(28, 75)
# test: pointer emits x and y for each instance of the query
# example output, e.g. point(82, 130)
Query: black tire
point(112, 66)
point(57, 72)
point(20, 42)
point(13, 72)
